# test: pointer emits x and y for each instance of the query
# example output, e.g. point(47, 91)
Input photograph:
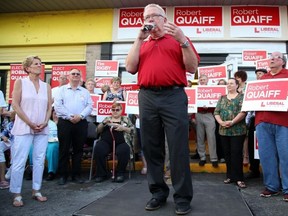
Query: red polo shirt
point(161, 63)
point(277, 118)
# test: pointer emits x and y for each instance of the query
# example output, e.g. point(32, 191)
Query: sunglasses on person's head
point(115, 110)
point(75, 74)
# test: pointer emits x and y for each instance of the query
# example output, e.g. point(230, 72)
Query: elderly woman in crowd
point(119, 128)
point(232, 132)
point(115, 93)
point(32, 103)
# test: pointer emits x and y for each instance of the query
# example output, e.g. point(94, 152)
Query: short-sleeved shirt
point(161, 63)
point(277, 118)
point(228, 110)
point(2, 100)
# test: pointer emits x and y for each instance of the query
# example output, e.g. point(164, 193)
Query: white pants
point(20, 150)
point(3, 148)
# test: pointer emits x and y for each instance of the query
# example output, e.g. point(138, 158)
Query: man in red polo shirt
point(272, 135)
point(161, 54)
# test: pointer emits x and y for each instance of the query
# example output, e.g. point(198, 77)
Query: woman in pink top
point(32, 103)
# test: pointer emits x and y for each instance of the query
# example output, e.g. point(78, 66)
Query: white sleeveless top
point(34, 105)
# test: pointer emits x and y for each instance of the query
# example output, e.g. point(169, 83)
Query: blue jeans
point(273, 153)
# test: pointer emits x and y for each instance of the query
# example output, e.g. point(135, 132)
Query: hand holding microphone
point(148, 27)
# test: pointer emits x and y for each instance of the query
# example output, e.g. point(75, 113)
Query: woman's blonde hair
point(27, 62)
point(114, 105)
point(115, 79)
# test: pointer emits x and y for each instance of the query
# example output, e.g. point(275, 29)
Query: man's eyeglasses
point(275, 57)
point(115, 110)
point(75, 74)
point(153, 16)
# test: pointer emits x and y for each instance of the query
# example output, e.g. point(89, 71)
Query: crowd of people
point(53, 125)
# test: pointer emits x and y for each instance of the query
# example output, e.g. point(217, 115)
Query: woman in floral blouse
point(232, 131)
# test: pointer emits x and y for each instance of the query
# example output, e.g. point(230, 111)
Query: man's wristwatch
point(185, 44)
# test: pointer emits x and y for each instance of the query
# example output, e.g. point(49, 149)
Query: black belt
point(204, 112)
point(161, 88)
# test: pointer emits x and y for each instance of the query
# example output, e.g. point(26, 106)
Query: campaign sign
point(132, 106)
point(104, 109)
point(17, 72)
point(209, 95)
point(95, 98)
point(200, 22)
point(106, 68)
point(58, 70)
point(102, 81)
point(266, 95)
point(130, 86)
point(190, 76)
point(255, 21)
point(250, 56)
point(192, 99)
point(263, 63)
point(130, 22)
point(256, 147)
point(214, 73)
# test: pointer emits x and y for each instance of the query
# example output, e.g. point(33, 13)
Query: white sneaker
point(8, 174)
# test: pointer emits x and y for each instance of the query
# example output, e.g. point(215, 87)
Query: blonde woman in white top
point(32, 103)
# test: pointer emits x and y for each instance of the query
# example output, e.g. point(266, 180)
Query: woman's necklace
point(232, 96)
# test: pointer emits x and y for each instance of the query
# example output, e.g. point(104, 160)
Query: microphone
point(148, 27)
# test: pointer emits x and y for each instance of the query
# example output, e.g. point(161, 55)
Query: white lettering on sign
point(252, 58)
point(60, 72)
point(104, 111)
point(131, 14)
point(196, 20)
point(58, 68)
point(102, 67)
point(244, 12)
point(258, 87)
point(263, 94)
point(133, 101)
point(253, 19)
point(18, 72)
point(16, 77)
point(131, 21)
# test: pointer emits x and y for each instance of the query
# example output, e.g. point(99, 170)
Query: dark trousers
point(233, 152)
point(71, 135)
point(165, 112)
point(102, 149)
point(220, 153)
point(254, 163)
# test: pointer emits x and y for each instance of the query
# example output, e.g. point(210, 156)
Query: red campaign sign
point(95, 98)
point(263, 63)
point(130, 86)
point(131, 17)
point(192, 100)
point(104, 108)
point(132, 99)
point(198, 16)
point(253, 55)
point(255, 16)
point(58, 70)
point(102, 81)
point(191, 94)
point(209, 95)
point(259, 91)
point(213, 73)
point(106, 68)
point(210, 92)
point(17, 72)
